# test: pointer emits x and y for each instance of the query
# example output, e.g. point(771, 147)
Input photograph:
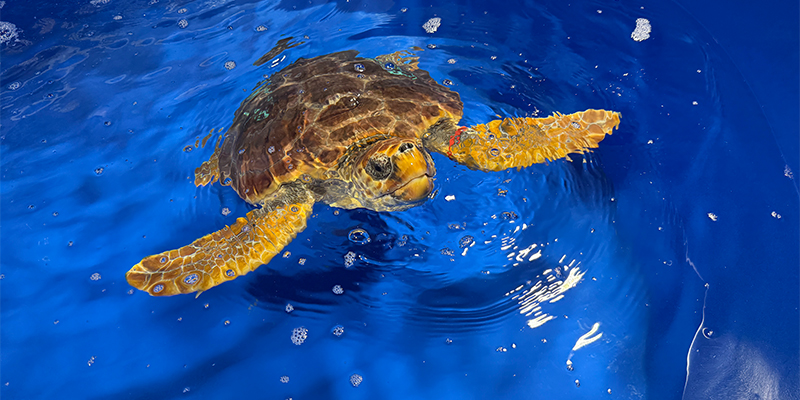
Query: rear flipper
point(521, 142)
point(228, 253)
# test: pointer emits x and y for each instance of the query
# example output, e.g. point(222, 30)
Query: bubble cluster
point(337, 330)
point(182, 11)
point(466, 241)
point(14, 85)
point(432, 25)
point(183, 23)
point(451, 61)
point(284, 379)
point(447, 252)
point(95, 276)
point(229, 65)
point(225, 211)
point(356, 380)
point(338, 289)
point(642, 30)
point(299, 335)
point(261, 28)
point(289, 307)
point(447, 82)
point(349, 259)
point(359, 67)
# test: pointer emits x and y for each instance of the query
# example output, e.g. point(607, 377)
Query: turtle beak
point(416, 190)
point(415, 169)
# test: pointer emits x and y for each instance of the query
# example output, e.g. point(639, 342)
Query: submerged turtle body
point(308, 120)
point(353, 133)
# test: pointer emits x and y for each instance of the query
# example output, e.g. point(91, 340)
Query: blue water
point(677, 237)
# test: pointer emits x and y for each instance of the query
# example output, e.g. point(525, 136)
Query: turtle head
point(394, 174)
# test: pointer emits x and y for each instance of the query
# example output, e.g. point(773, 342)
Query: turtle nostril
point(405, 147)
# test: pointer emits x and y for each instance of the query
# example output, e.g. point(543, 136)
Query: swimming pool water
point(663, 265)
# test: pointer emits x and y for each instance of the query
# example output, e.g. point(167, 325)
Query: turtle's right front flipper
point(228, 253)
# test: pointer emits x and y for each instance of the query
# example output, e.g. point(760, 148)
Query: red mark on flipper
point(455, 139)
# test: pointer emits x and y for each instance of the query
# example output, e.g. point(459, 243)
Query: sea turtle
point(349, 132)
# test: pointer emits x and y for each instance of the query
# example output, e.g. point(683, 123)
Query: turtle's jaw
point(414, 190)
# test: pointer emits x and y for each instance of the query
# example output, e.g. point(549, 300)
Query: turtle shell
point(303, 119)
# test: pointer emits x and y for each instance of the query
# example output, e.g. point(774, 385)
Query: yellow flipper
point(521, 142)
point(223, 255)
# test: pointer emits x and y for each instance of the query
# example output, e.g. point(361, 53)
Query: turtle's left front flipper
point(228, 253)
point(521, 142)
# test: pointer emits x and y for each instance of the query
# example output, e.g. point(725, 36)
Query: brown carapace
point(350, 132)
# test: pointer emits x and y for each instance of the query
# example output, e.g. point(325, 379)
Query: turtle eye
point(405, 147)
point(379, 167)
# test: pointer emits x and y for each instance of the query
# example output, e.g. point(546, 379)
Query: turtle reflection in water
point(349, 132)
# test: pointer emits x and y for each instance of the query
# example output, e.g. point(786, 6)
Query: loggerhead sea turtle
point(350, 132)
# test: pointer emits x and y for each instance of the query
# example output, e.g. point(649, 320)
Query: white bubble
point(712, 216)
point(182, 11)
point(14, 85)
point(349, 259)
point(95, 276)
point(337, 330)
point(229, 65)
point(299, 335)
point(183, 23)
point(8, 32)
point(338, 289)
point(642, 30)
point(356, 380)
point(284, 379)
point(289, 307)
point(432, 25)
